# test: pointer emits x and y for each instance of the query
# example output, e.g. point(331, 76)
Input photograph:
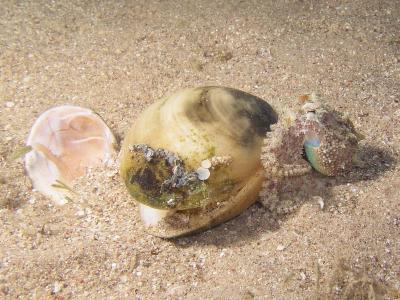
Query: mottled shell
point(193, 126)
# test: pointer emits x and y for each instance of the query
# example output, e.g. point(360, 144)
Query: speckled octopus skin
point(327, 139)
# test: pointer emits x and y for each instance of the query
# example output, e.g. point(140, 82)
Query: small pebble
point(320, 201)
point(26, 79)
point(303, 276)
point(171, 202)
point(280, 248)
point(222, 254)
point(80, 213)
point(32, 200)
point(10, 104)
point(124, 278)
point(57, 287)
point(112, 173)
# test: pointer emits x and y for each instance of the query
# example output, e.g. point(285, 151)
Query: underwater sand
point(117, 57)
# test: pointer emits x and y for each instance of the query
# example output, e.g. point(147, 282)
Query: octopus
point(316, 137)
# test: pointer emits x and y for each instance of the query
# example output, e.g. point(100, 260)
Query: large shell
point(165, 156)
point(65, 141)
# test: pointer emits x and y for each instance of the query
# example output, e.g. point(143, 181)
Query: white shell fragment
point(203, 173)
point(151, 216)
point(320, 201)
point(66, 141)
point(206, 164)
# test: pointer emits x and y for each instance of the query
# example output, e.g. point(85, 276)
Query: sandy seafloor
point(117, 57)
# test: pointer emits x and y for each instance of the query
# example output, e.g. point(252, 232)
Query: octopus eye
point(311, 147)
point(332, 153)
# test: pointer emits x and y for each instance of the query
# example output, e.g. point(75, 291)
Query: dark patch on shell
point(261, 114)
point(201, 111)
point(164, 172)
point(257, 113)
point(146, 179)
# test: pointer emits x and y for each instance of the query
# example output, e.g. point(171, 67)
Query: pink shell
point(66, 141)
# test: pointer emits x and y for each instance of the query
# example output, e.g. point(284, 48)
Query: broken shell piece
point(218, 161)
point(151, 216)
point(320, 201)
point(177, 191)
point(66, 141)
point(206, 164)
point(203, 173)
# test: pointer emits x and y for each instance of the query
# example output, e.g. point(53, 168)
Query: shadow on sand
point(257, 219)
